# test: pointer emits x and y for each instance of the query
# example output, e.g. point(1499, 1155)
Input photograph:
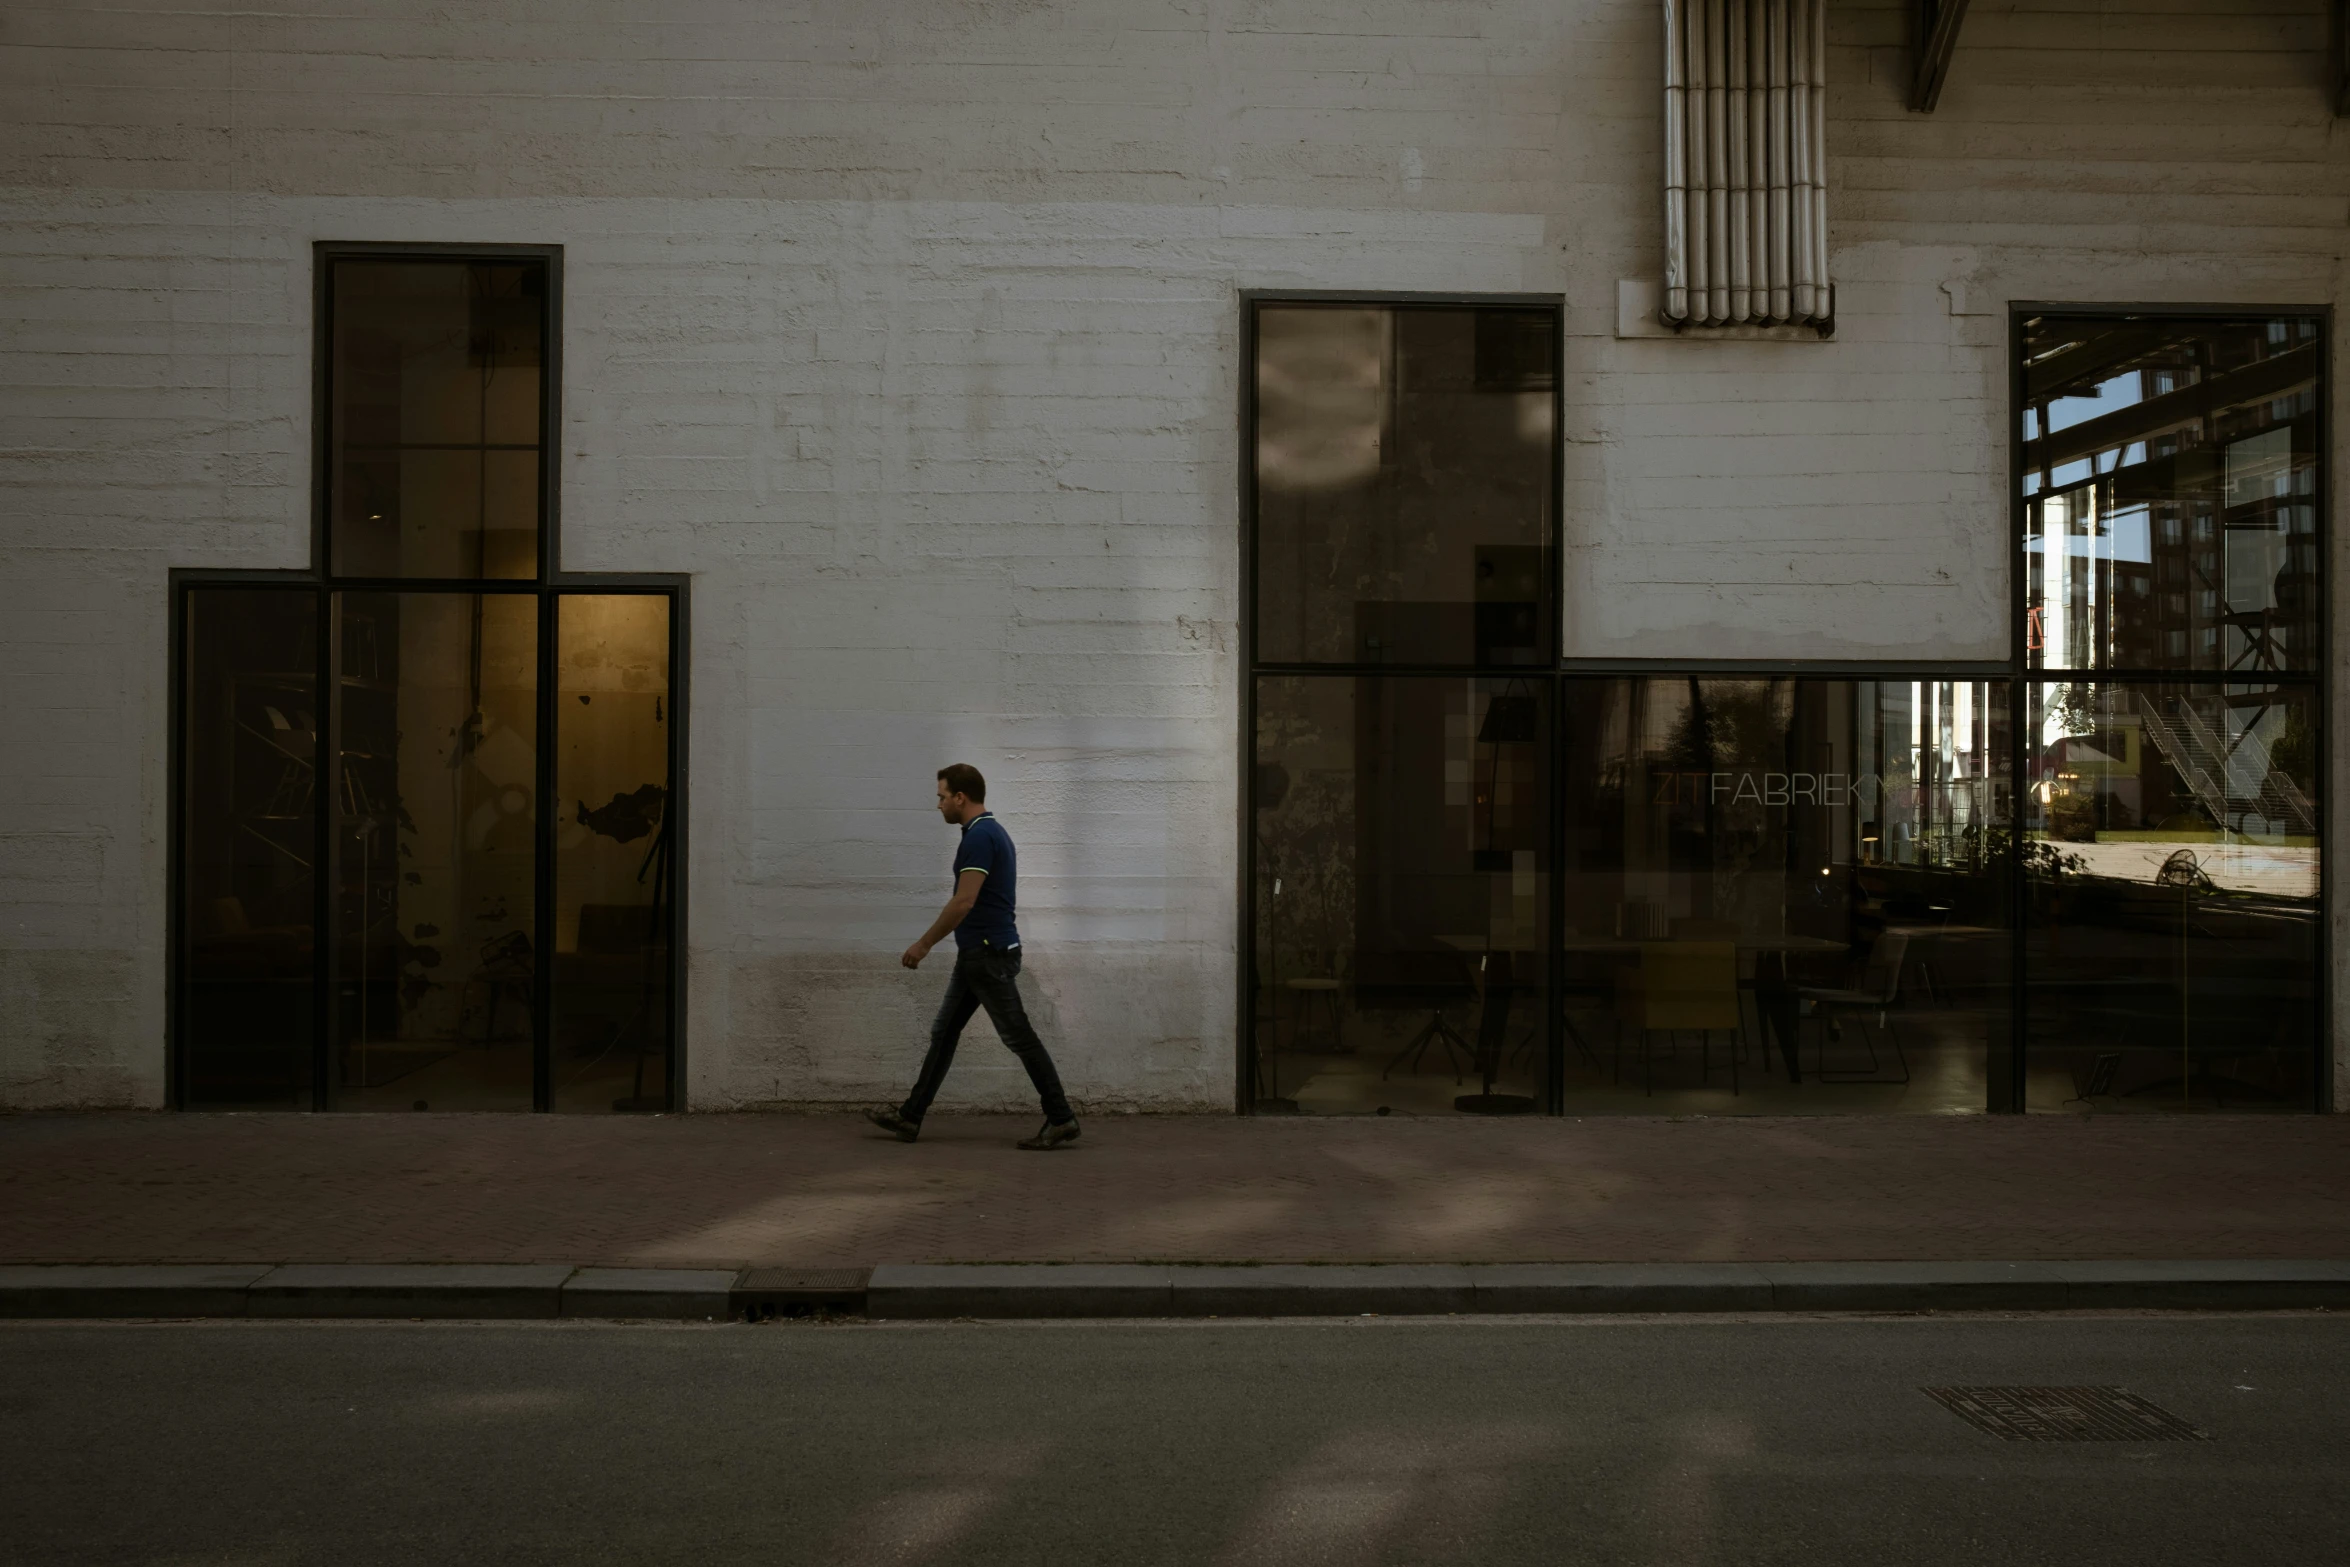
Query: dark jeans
point(984, 978)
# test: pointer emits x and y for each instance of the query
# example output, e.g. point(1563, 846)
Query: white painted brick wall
point(912, 332)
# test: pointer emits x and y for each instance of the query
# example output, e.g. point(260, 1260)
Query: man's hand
point(967, 885)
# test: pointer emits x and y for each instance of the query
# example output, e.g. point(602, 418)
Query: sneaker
point(896, 1125)
point(1052, 1136)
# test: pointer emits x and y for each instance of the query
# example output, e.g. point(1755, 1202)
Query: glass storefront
point(1484, 880)
point(477, 813)
point(1784, 895)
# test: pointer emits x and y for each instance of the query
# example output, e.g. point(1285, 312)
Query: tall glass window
point(436, 850)
point(434, 450)
point(615, 869)
point(246, 919)
point(1403, 465)
point(1404, 461)
point(426, 823)
point(2171, 492)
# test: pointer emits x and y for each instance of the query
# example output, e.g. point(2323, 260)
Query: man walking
point(987, 962)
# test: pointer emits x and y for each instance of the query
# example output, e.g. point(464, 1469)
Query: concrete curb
point(423, 1290)
point(1101, 1290)
point(1416, 1289)
point(518, 1292)
point(127, 1292)
point(651, 1294)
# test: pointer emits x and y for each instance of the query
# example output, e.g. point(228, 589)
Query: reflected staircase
point(2231, 781)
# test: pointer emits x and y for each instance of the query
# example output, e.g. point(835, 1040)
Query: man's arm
point(967, 886)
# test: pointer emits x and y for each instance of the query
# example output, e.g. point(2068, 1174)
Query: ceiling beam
point(1933, 35)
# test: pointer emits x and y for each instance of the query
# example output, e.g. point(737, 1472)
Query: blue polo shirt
point(987, 847)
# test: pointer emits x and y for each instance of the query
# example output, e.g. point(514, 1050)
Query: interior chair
point(1695, 928)
point(1870, 1002)
point(1306, 989)
point(1679, 985)
point(1419, 982)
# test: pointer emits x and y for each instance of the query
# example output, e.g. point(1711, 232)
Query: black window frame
point(548, 586)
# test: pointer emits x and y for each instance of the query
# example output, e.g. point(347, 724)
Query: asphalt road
point(1499, 1441)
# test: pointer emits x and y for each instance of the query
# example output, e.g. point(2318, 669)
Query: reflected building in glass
point(2169, 478)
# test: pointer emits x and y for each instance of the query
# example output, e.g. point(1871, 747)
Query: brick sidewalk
point(736, 1191)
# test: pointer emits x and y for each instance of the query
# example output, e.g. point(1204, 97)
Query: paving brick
point(829, 1191)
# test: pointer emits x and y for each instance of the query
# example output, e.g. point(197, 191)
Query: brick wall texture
point(911, 330)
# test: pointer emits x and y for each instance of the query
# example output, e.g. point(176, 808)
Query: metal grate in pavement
point(2064, 1414)
point(763, 1294)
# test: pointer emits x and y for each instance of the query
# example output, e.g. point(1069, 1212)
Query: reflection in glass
point(1403, 480)
point(613, 885)
point(1785, 896)
point(2170, 480)
point(1399, 896)
point(435, 845)
point(2171, 876)
point(434, 409)
point(248, 841)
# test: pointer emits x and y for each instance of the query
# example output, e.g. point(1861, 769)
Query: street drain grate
point(763, 1294)
point(2064, 1414)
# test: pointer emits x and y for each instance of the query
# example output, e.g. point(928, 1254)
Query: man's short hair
point(963, 779)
